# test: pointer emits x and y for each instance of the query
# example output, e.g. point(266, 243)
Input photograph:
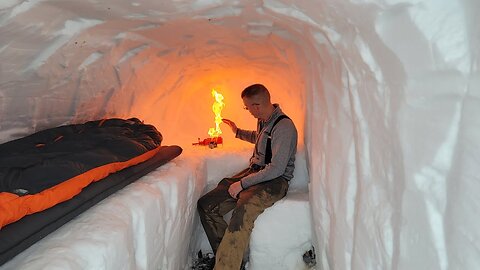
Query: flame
point(217, 108)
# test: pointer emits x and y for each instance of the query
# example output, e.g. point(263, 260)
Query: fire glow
point(217, 108)
point(215, 132)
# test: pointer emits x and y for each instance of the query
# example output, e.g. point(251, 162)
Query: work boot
point(245, 264)
point(204, 261)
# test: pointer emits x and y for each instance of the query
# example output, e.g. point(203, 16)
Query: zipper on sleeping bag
point(20, 192)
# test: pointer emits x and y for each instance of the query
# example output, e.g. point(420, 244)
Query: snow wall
point(384, 94)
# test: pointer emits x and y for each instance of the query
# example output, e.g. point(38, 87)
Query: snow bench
point(282, 234)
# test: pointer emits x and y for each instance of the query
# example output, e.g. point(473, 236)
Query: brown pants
point(229, 242)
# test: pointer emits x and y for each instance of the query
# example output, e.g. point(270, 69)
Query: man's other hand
point(234, 189)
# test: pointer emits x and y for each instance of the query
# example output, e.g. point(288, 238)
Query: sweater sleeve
point(284, 146)
point(246, 135)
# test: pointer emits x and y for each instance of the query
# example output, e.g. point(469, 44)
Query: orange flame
point(217, 108)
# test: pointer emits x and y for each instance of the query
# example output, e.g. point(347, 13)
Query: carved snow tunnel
point(384, 95)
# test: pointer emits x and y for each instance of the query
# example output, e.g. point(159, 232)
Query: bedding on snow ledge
point(146, 225)
point(149, 224)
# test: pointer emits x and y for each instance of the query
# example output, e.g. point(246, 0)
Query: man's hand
point(232, 125)
point(234, 189)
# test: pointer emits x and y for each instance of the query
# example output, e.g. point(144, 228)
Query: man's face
point(255, 105)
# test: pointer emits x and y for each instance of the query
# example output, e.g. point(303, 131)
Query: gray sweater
point(284, 146)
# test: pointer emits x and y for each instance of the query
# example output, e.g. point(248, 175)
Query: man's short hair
point(256, 89)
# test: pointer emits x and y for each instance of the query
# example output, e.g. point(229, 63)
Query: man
point(257, 187)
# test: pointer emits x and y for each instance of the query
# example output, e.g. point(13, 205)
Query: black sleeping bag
point(47, 158)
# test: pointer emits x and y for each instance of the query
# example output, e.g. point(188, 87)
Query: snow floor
point(153, 223)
